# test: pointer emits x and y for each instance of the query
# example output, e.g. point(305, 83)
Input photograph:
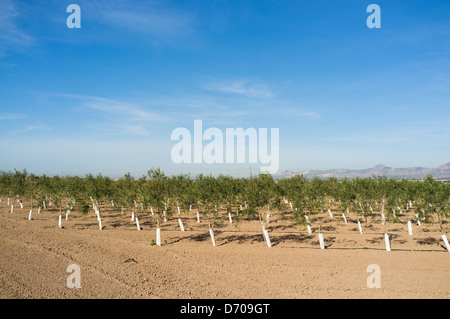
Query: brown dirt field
point(120, 262)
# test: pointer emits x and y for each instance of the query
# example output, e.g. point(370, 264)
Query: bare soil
point(120, 262)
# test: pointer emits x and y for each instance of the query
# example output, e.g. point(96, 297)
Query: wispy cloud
point(29, 128)
point(12, 36)
point(241, 87)
point(149, 18)
point(154, 110)
point(423, 134)
point(110, 117)
point(119, 129)
point(421, 33)
point(152, 115)
point(299, 113)
point(11, 116)
point(148, 23)
point(125, 110)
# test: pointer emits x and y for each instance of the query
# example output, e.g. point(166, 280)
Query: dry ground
point(121, 262)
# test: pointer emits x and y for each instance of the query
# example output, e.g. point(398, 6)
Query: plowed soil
point(121, 262)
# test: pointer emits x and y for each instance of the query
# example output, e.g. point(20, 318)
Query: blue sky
point(105, 98)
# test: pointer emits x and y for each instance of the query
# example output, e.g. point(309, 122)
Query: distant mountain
point(441, 172)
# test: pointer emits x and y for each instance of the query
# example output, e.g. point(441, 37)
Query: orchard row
point(253, 197)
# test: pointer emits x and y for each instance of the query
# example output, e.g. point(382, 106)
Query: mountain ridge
point(440, 172)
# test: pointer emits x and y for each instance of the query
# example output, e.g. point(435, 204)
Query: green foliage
point(214, 196)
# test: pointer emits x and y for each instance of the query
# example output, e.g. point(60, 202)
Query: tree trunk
point(211, 233)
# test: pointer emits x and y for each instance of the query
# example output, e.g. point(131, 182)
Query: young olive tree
point(207, 190)
point(157, 192)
